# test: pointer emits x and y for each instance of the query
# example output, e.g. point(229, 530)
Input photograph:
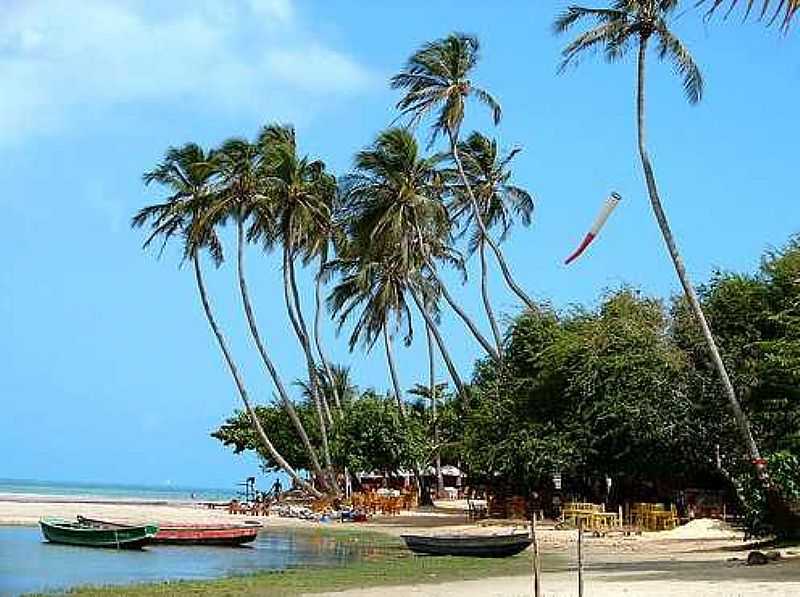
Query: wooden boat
point(486, 546)
point(220, 534)
point(97, 534)
point(203, 534)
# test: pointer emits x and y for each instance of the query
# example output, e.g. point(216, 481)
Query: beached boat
point(97, 534)
point(220, 534)
point(481, 546)
point(202, 534)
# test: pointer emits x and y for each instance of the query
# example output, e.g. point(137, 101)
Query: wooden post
point(537, 570)
point(580, 557)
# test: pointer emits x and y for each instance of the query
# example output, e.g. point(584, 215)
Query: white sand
point(703, 528)
point(565, 585)
point(29, 513)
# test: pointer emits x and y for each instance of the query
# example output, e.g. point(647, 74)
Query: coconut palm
point(437, 79)
point(395, 195)
point(239, 195)
point(372, 288)
point(787, 8)
point(615, 30)
point(394, 207)
point(499, 201)
point(187, 173)
point(301, 193)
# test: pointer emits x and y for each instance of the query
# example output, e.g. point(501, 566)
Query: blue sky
point(107, 368)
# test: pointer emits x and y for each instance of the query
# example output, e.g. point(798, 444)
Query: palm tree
point(437, 77)
point(375, 285)
point(238, 165)
point(301, 193)
point(786, 7)
point(499, 201)
point(395, 195)
point(394, 207)
point(615, 30)
point(187, 173)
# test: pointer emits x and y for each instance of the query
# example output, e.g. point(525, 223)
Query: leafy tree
point(756, 322)
point(371, 436)
point(591, 393)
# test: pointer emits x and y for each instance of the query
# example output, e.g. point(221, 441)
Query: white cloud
point(60, 60)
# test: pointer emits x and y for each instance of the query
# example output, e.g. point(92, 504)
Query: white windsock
point(608, 206)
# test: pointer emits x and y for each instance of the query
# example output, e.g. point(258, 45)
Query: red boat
point(201, 534)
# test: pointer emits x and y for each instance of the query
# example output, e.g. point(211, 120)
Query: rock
point(756, 558)
point(773, 555)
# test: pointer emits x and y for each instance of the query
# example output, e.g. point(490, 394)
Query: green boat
point(95, 534)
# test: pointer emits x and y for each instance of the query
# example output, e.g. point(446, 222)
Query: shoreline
point(703, 558)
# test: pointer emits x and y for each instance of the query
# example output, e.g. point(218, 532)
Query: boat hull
point(221, 535)
point(494, 546)
point(66, 533)
point(230, 535)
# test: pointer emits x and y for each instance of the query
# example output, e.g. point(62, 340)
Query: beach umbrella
point(608, 206)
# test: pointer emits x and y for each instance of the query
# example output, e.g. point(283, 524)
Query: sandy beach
point(703, 558)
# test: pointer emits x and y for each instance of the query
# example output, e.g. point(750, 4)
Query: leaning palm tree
point(372, 289)
point(635, 23)
point(784, 10)
point(394, 197)
point(301, 193)
point(238, 196)
point(499, 201)
point(437, 78)
point(187, 173)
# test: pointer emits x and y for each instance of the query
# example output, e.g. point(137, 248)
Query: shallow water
point(28, 563)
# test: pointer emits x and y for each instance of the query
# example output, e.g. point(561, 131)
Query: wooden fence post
point(537, 570)
point(580, 557)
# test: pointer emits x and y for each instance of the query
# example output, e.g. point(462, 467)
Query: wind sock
point(608, 206)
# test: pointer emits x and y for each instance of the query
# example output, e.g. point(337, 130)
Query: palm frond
point(670, 47)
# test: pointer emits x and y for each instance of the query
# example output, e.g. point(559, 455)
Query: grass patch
point(385, 562)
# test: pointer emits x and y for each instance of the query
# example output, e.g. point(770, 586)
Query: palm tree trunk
point(431, 325)
point(273, 372)
point(741, 419)
point(305, 341)
point(302, 336)
point(487, 303)
point(482, 228)
point(434, 413)
point(317, 336)
point(482, 340)
point(387, 342)
point(276, 456)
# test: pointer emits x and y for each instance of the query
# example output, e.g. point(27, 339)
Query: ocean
point(114, 491)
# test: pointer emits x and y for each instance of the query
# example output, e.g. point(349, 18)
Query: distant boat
point(97, 534)
point(201, 534)
point(481, 546)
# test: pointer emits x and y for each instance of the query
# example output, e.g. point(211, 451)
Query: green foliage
point(591, 393)
point(784, 471)
point(756, 319)
point(627, 24)
point(369, 436)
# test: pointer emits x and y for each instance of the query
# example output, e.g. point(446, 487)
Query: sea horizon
point(10, 487)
